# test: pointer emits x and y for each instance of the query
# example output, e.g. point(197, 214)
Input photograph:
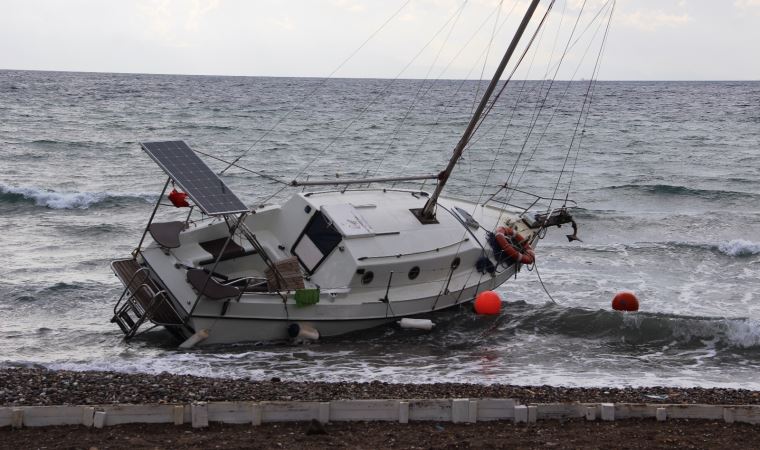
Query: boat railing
point(128, 284)
point(530, 203)
point(141, 300)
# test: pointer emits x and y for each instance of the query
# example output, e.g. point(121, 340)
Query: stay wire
point(231, 164)
point(378, 96)
point(319, 86)
point(485, 60)
point(583, 106)
point(461, 84)
point(496, 97)
point(416, 97)
point(540, 109)
point(595, 80)
point(540, 106)
point(550, 68)
point(509, 123)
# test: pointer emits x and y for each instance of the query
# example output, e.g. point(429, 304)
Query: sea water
point(666, 181)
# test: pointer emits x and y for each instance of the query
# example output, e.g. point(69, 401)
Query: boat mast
point(427, 213)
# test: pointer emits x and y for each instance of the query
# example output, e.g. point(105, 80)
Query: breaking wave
point(65, 200)
point(642, 328)
point(739, 247)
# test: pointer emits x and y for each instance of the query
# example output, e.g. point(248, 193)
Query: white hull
point(419, 268)
point(237, 326)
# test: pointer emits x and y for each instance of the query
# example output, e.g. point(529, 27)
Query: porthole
point(414, 272)
point(368, 277)
point(455, 263)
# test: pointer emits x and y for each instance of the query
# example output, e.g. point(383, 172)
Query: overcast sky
point(649, 39)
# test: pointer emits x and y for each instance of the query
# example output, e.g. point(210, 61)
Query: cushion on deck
point(166, 234)
point(202, 282)
point(215, 248)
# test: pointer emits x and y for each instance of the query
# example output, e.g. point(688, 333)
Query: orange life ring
point(520, 251)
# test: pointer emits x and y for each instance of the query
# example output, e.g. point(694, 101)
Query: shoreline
point(40, 387)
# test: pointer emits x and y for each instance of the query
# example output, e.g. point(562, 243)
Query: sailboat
point(326, 262)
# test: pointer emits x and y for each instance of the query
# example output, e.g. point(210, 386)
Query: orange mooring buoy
point(625, 301)
point(488, 302)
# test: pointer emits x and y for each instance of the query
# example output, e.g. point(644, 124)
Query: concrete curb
point(460, 410)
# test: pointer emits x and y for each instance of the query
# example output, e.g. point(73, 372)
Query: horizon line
point(362, 77)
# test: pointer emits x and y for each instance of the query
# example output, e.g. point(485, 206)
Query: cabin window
point(318, 239)
point(414, 272)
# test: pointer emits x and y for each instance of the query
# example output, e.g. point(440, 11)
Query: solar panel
point(194, 177)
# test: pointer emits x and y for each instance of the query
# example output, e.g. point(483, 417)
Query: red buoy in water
point(488, 303)
point(625, 301)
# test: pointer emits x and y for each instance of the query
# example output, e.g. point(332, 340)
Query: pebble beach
point(26, 386)
point(36, 386)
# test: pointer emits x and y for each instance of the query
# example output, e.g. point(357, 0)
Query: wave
point(735, 247)
point(641, 328)
point(739, 247)
point(66, 200)
point(677, 190)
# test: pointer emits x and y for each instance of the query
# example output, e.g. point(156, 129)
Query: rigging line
point(585, 101)
point(540, 107)
point(416, 96)
point(582, 33)
point(485, 60)
point(261, 174)
point(509, 124)
point(276, 193)
point(319, 86)
point(595, 80)
point(495, 98)
point(535, 266)
point(492, 103)
point(379, 94)
point(549, 68)
point(461, 82)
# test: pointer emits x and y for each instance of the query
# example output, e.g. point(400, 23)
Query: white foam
point(743, 333)
point(64, 200)
point(739, 247)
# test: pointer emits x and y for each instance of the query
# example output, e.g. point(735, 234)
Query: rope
point(417, 96)
point(594, 80)
point(507, 127)
point(539, 109)
point(459, 86)
point(319, 86)
point(378, 96)
point(586, 100)
point(485, 60)
point(535, 266)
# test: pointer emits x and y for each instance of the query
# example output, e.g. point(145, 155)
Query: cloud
point(349, 5)
point(199, 9)
point(286, 23)
point(654, 19)
point(752, 6)
point(173, 22)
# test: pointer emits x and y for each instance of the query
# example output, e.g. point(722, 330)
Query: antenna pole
point(428, 211)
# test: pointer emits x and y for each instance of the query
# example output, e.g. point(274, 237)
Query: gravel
point(36, 386)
